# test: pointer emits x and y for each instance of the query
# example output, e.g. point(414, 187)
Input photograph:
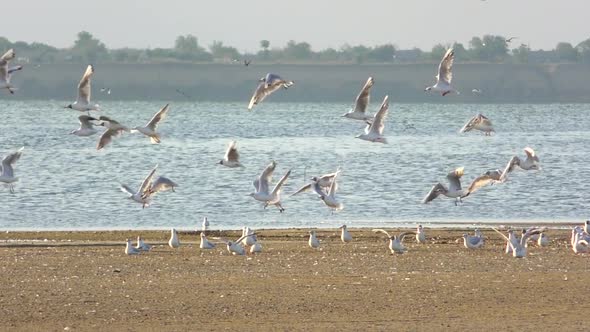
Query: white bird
point(395, 241)
point(488, 178)
point(5, 72)
point(140, 196)
point(473, 242)
point(445, 75)
point(530, 163)
point(236, 247)
point(420, 235)
point(232, 156)
point(130, 250)
point(454, 191)
point(268, 84)
point(256, 248)
point(361, 103)
point(580, 245)
point(114, 129)
point(329, 198)
point(174, 242)
point(150, 128)
point(543, 240)
point(479, 122)
point(205, 243)
point(313, 240)
point(205, 224)
point(86, 126)
point(511, 242)
point(248, 237)
point(344, 234)
point(262, 183)
point(7, 175)
point(160, 185)
point(519, 249)
point(82, 103)
point(324, 181)
point(582, 235)
point(142, 245)
point(374, 129)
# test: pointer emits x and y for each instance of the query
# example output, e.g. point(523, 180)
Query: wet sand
point(53, 281)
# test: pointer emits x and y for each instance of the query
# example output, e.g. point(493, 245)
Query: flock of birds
point(325, 186)
point(515, 245)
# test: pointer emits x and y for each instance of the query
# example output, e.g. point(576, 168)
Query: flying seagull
point(479, 122)
point(445, 75)
point(140, 196)
point(86, 126)
point(374, 129)
point(5, 72)
point(114, 129)
point(232, 157)
point(82, 103)
point(262, 184)
point(268, 84)
point(7, 175)
point(361, 103)
point(530, 163)
point(150, 128)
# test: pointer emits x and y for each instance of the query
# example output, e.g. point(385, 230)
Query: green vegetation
point(488, 49)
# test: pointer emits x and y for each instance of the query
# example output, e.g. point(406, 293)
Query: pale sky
point(322, 23)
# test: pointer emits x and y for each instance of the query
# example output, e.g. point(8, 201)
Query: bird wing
point(162, 184)
point(107, 137)
point(484, 120)
point(244, 236)
point(8, 162)
point(530, 232)
point(264, 89)
point(469, 125)
point(530, 154)
point(433, 193)
point(504, 236)
point(379, 119)
point(509, 168)
point(231, 154)
point(147, 182)
point(444, 68)
point(479, 182)
point(159, 116)
point(402, 235)
point(317, 189)
point(9, 55)
point(279, 184)
point(84, 85)
point(302, 189)
point(85, 121)
point(381, 231)
point(266, 177)
point(334, 186)
point(362, 100)
point(126, 189)
point(455, 179)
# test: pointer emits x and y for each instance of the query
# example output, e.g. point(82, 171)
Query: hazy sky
point(322, 23)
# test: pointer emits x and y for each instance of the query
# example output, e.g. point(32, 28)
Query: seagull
point(510, 39)
point(236, 247)
point(473, 242)
point(374, 129)
point(531, 162)
point(454, 191)
point(205, 225)
point(82, 104)
point(488, 178)
point(543, 240)
point(313, 242)
point(256, 248)
point(579, 243)
point(114, 129)
point(86, 126)
point(519, 249)
point(476, 91)
point(5, 72)
point(261, 185)
point(329, 198)
point(205, 243)
point(142, 245)
point(420, 235)
point(249, 238)
point(445, 75)
point(232, 157)
point(345, 235)
point(140, 196)
point(479, 122)
point(324, 181)
point(247, 62)
point(130, 250)
point(160, 185)
point(150, 128)
point(268, 84)
point(7, 176)
point(361, 103)
point(395, 241)
point(511, 242)
point(173, 242)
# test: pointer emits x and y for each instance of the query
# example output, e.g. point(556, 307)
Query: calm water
point(66, 183)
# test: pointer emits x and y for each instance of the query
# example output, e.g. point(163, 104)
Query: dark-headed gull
point(140, 196)
point(479, 122)
point(329, 197)
point(374, 129)
point(268, 84)
point(530, 163)
point(232, 156)
point(262, 187)
point(7, 176)
point(445, 75)
point(150, 128)
point(82, 103)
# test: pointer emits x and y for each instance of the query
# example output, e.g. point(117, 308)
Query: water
point(66, 184)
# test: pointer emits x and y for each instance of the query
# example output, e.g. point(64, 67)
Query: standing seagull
point(142, 245)
point(329, 198)
point(479, 122)
point(519, 248)
point(344, 234)
point(374, 129)
point(174, 242)
point(5, 72)
point(531, 162)
point(261, 186)
point(150, 128)
point(395, 241)
point(140, 195)
point(7, 176)
point(82, 104)
point(361, 103)
point(268, 84)
point(232, 157)
point(420, 235)
point(445, 75)
point(130, 250)
point(205, 243)
point(86, 126)
point(473, 242)
point(313, 242)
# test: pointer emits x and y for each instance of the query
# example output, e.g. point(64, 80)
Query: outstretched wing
point(266, 177)
point(479, 182)
point(509, 168)
point(403, 235)
point(469, 125)
point(302, 189)
point(231, 154)
point(126, 189)
point(454, 178)
point(379, 119)
point(4, 74)
point(279, 184)
point(147, 182)
point(382, 231)
point(334, 186)
point(434, 192)
point(159, 116)
point(265, 88)
point(362, 100)
point(107, 137)
point(9, 161)
point(444, 68)
point(530, 154)
point(84, 86)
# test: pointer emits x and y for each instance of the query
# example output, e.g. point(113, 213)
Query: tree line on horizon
point(489, 49)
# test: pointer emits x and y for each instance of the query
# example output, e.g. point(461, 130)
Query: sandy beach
point(82, 281)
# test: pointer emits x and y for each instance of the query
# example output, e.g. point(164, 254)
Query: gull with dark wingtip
point(361, 103)
point(268, 84)
point(479, 122)
point(445, 75)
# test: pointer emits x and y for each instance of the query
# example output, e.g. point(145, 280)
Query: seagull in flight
point(114, 129)
point(262, 184)
point(479, 122)
point(82, 103)
point(324, 181)
point(361, 103)
point(6, 72)
point(7, 175)
point(140, 196)
point(395, 241)
point(445, 75)
point(86, 126)
point(268, 84)
point(150, 128)
point(374, 129)
point(329, 197)
point(232, 156)
point(530, 163)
